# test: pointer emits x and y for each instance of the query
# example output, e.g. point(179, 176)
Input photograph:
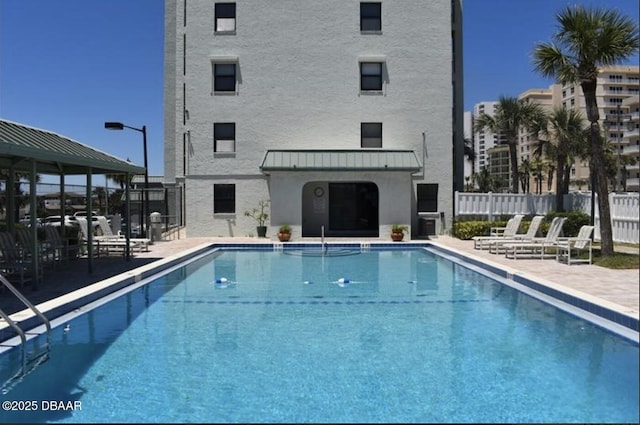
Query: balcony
point(631, 149)
point(631, 134)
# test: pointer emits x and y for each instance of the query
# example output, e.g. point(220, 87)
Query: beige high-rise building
point(539, 181)
point(631, 143)
point(615, 84)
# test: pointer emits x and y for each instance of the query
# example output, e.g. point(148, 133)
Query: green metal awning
point(54, 154)
point(340, 160)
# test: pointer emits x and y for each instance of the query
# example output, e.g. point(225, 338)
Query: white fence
point(625, 209)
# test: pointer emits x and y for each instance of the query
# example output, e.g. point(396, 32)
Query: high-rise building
point(346, 116)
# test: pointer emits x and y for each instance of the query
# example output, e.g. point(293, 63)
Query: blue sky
point(70, 65)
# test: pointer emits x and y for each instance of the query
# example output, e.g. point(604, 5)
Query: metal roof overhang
point(340, 160)
point(54, 154)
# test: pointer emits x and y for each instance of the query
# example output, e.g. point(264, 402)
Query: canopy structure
point(32, 151)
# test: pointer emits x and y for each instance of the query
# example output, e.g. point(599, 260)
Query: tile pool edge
point(74, 300)
point(599, 307)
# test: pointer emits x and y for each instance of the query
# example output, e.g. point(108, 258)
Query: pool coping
point(74, 300)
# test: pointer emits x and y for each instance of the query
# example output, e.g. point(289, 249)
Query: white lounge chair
point(570, 250)
point(107, 234)
point(497, 246)
point(106, 245)
point(496, 233)
point(538, 247)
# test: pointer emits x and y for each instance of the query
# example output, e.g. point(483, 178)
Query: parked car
point(54, 220)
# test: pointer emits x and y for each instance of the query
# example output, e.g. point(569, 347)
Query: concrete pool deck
point(617, 290)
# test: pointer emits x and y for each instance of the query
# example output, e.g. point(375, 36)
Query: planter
point(284, 237)
point(397, 236)
point(262, 231)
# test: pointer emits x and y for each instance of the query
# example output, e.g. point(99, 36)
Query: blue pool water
point(379, 336)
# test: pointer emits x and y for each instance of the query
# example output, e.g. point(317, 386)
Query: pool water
point(379, 336)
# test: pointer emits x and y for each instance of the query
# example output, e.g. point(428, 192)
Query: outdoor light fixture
point(110, 125)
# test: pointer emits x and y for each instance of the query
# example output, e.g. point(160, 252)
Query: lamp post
point(145, 196)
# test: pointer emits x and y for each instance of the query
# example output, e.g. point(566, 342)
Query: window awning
point(340, 160)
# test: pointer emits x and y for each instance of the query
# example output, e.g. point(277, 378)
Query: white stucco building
point(343, 114)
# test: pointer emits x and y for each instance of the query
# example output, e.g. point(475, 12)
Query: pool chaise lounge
point(108, 235)
point(497, 246)
point(538, 247)
point(499, 233)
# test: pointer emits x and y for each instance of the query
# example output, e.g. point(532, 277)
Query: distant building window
point(224, 75)
point(224, 198)
point(225, 17)
point(224, 137)
point(371, 135)
point(371, 76)
point(370, 16)
point(427, 197)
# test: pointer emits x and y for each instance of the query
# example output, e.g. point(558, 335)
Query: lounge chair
point(538, 247)
point(107, 234)
point(106, 245)
point(570, 250)
point(496, 233)
point(497, 246)
point(14, 263)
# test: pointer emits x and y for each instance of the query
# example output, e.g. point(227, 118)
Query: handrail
point(20, 332)
point(28, 304)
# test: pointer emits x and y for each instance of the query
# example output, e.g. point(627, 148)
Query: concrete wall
point(298, 88)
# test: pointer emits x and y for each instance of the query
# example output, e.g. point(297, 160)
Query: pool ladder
point(28, 361)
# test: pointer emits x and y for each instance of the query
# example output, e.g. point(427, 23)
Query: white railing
point(625, 207)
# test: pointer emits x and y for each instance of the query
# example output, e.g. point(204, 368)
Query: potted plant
point(284, 233)
point(260, 217)
point(397, 232)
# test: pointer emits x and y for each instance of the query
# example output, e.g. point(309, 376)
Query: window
point(225, 17)
point(427, 197)
point(224, 198)
point(371, 76)
point(224, 77)
point(370, 16)
point(224, 137)
point(371, 135)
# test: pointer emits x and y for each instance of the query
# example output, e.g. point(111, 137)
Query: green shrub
point(468, 229)
point(571, 227)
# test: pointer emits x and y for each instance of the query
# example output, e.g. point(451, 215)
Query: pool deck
point(616, 289)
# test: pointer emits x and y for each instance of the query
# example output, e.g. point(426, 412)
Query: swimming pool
point(386, 335)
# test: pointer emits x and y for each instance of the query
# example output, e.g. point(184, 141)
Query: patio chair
point(496, 233)
point(537, 248)
point(25, 239)
point(59, 245)
point(107, 234)
point(571, 250)
point(14, 264)
point(497, 246)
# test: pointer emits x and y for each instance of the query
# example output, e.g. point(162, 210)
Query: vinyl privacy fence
point(625, 209)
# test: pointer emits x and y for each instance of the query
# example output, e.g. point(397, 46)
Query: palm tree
point(587, 39)
point(563, 140)
point(525, 175)
point(511, 116)
point(485, 181)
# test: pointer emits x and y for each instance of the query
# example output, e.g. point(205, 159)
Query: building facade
point(344, 115)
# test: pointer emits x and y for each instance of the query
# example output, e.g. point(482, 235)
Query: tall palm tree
point(562, 139)
point(511, 116)
point(587, 39)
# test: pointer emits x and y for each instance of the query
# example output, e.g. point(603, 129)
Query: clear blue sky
point(70, 65)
